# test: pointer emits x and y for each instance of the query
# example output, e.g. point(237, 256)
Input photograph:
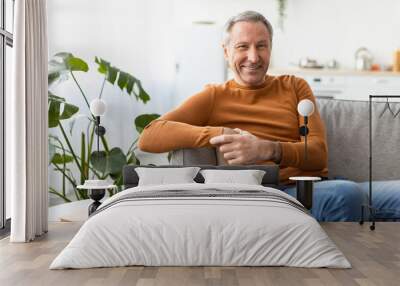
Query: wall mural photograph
point(199, 142)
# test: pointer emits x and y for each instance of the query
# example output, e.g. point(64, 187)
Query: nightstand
point(96, 190)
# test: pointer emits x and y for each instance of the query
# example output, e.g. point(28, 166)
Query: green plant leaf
point(68, 111)
point(66, 62)
point(52, 148)
point(77, 64)
point(105, 163)
point(125, 81)
point(131, 158)
point(143, 120)
point(54, 113)
point(58, 63)
point(61, 159)
point(119, 182)
point(53, 97)
point(98, 159)
point(129, 85)
point(63, 55)
point(109, 71)
point(122, 79)
point(143, 95)
point(116, 161)
point(112, 74)
point(57, 103)
point(53, 77)
point(117, 178)
point(103, 65)
point(57, 66)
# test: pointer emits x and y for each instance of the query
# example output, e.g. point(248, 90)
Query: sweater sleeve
point(317, 150)
point(183, 127)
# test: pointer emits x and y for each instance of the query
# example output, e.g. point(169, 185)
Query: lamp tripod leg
point(372, 215)
point(362, 215)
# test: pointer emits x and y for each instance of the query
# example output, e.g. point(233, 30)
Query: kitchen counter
point(330, 72)
point(346, 83)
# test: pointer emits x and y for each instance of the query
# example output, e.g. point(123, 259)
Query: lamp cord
point(98, 141)
point(305, 137)
point(305, 147)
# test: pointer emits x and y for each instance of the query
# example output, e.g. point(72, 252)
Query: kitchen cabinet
point(346, 84)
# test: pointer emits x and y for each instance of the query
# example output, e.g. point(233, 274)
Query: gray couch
point(347, 126)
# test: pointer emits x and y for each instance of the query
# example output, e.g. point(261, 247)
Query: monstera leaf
point(143, 120)
point(62, 64)
point(59, 109)
point(100, 164)
point(125, 81)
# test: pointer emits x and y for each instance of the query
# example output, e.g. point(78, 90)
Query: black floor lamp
point(305, 185)
point(97, 188)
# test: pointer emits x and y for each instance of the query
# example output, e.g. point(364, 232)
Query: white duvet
point(200, 231)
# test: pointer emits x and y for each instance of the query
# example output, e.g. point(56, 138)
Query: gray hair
point(247, 16)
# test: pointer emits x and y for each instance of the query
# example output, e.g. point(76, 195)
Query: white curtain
point(27, 152)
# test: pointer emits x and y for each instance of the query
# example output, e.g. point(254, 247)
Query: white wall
point(133, 36)
point(143, 37)
point(319, 29)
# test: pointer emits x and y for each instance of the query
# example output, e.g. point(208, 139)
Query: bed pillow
point(270, 179)
point(248, 177)
point(162, 176)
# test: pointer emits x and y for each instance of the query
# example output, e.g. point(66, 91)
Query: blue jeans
point(385, 198)
point(335, 200)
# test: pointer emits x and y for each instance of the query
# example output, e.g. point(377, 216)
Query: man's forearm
point(277, 156)
point(293, 154)
point(270, 151)
point(164, 136)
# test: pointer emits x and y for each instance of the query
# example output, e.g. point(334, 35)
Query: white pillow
point(163, 176)
point(248, 177)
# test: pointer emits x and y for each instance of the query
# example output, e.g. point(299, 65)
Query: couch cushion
point(347, 126)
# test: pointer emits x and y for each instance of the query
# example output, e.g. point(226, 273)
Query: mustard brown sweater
point(268, 112)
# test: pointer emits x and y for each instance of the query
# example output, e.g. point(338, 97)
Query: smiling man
point(247, 47)
point(253, 119)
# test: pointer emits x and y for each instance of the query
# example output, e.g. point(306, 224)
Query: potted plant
point(90, 164)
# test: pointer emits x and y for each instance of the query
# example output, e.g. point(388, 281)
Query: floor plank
point(374, 255)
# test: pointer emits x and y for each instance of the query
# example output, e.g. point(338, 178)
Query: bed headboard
point(270, 179)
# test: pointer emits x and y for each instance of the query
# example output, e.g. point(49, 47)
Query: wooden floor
point(375, 257)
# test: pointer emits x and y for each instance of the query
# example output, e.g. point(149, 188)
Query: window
point(6, 43)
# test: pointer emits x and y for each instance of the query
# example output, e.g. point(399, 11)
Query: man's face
point(248, 52)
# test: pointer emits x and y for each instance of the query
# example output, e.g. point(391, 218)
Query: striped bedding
point(201, 225)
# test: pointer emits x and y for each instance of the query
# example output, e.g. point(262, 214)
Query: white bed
point(184, 230)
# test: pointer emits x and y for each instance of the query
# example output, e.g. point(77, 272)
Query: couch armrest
point(198, 156)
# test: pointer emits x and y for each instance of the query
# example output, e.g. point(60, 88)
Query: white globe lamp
point(98, 107)
point(305, 107)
